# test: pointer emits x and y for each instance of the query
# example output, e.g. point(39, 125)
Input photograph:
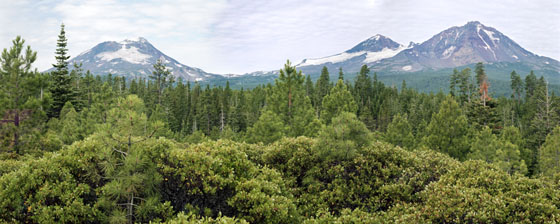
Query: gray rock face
point(133, 58)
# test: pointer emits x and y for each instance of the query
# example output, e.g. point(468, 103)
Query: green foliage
point(448, 130)
point(339, 100)
point(268, 129)
point(378, 177)
point(191, 218)
point(218, 178)
point(549, 154)
point(62, 89)
point(479, 193)
point(399, 132)
point(20, 110)
point(505, 154)
point(341, 139)
point(289, 102)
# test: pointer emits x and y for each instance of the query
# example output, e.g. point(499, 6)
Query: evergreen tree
point(363, 88)
point(516, 85)
point(288, 101)
point(18, 106)
point(399, 132)
point(544, 119)
point(342, 138)
point(448, 130)
point(530, 85)
point(269, 128)
point(322, 88)
point(339, 100)
point(309, 88)
point(132, 178)
point(505, 154)
point(549, 154)
point(340, 74)
point(453, 81)
point(480, 73)
point(225, 101)
point(466, 87)
point(62, 89)
point(71, 129)
point(239, 121)
point(162, 78)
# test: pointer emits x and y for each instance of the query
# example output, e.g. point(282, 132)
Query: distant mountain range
point(455, 47)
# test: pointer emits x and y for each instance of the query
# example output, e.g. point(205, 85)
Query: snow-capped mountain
point(133, 58)
point(454, 47)
point(371, 50)
point(458, 46)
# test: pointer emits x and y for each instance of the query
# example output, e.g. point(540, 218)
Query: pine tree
point(530, 85)
point(448, 130)
point(363, 88)
point(62, 89)
point(480, 73)
point(269, 128)
point(342, 138)
point(465, 85)
point(16, 109)
point(545, 118)
point(516, 85)
point(549, 154)
point(288, 101)
point(322, 88)
point(225, 101)
point(309, 89)
point(127, 165)
point(340, 74)
point(399, 132)
point(339, 100)
point(453, 81)
point(239, 121)
point(162, 78)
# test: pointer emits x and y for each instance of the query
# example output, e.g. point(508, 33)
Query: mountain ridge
point(454, 47)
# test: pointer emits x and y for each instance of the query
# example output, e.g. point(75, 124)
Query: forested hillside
point(83, 148)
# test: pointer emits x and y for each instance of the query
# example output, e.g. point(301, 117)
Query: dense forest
point(84, 148)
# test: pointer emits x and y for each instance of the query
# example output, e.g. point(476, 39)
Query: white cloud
point(237, 36)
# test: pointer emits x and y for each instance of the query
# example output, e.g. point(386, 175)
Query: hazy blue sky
point(239, 36)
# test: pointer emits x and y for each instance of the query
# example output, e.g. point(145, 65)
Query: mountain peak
point(375, 44)
point(134, 40)
point(474, 23)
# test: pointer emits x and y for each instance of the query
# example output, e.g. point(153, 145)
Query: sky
point(241, 36)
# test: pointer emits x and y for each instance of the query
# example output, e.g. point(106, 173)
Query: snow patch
point(478, 28)
point(331, 59)
point(546, 62)
point(130, 54)
point(178, 65)
point(384, 53)
point(407, 68)
point(514, 56)
point(198, 79)
point(448, 52)
point(491, 35)
point(371, 56)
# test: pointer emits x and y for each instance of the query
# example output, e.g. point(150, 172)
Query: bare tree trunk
point(222, 119)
